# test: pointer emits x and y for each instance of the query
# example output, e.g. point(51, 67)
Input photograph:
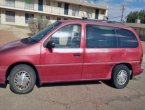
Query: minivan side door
point(101, 52)
point(64, 62)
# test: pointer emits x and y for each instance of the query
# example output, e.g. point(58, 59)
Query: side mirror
point(50, 44)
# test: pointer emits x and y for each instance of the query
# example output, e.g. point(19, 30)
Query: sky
point(115, 6)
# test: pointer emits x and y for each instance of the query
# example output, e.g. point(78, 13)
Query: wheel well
point(129, 66)
point(31, 65)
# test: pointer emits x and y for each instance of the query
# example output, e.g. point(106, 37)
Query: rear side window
point(126, 39)
point(100, 37)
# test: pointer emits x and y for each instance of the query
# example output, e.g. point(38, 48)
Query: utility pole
point(122, 9)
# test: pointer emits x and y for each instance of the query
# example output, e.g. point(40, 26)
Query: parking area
point(77, 96)
point(95, 95)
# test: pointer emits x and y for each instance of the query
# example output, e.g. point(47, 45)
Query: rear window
point(126, 39)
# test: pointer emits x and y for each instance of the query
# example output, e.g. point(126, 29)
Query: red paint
point(62, 65)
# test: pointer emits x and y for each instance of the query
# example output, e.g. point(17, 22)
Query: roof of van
point(103, 23)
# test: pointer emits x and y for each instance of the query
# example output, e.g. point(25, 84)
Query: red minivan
point(72, 50)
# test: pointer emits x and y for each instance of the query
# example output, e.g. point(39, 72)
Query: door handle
point(77, 54)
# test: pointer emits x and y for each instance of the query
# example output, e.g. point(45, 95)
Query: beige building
point(18, 12)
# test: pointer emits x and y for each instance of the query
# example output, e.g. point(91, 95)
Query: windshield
point(40, 35)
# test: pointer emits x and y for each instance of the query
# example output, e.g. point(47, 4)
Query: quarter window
point(67, 37)
point(100, 37)
point(126, 39)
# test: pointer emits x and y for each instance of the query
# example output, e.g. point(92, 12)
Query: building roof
point(79, 2)
point(135, 25)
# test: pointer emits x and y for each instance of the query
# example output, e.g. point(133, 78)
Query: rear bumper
point(138, 71)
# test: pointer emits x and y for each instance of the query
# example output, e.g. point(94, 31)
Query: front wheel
point(22, 79)
point(120, 76)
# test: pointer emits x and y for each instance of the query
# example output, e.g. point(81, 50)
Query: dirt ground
point(11, 33)
point(6, 36)
point(75, 96)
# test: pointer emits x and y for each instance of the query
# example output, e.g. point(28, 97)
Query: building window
point(48, 17)
point(29, 4)
point(66, 8)
point(48, 3)
point(59, 4)
point(75, 10)
point(89, 12)
point(58, 18)
point(10, 16)
point(28, 16)
point(102, 12)
point(10, 3)
point(97, 14)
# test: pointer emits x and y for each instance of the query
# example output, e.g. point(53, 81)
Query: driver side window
point(68, 36)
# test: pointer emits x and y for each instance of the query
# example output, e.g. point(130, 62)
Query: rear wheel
point(22, 79)
point(120, 76)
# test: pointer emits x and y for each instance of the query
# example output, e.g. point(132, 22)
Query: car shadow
point(3, 85)
point(108, 83)
point(69, 84)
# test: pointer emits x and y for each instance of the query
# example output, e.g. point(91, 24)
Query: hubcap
point(122, 77)
point(22, 80)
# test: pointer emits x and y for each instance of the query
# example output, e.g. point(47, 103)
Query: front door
point(40, 5)
point(64, 62)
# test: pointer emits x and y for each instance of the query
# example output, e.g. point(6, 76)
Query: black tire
point(31, 76)
point(115, 75)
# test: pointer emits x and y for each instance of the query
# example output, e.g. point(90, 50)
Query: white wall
point(19, 18)
point(3, 18)
point(54, 11)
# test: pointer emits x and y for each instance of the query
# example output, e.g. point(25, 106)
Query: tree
point(37, 24)
point(133, 16)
